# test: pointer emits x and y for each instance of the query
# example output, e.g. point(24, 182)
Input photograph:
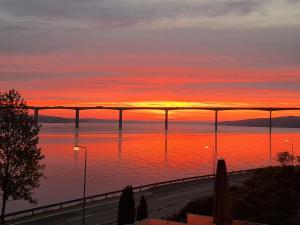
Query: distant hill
point(55, 119)
point(287, 121)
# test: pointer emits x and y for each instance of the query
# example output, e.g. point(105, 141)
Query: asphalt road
point(162, 202)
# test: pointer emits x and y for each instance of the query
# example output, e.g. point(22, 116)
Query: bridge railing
point(90, 199)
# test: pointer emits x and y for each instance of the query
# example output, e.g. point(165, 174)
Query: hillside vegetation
point(270, 196)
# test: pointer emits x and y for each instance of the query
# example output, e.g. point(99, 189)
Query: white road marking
point(105, 203)
point(58, 214)
point(65, 212)
point(184, 193)
point(80, 217)
point(107, 222)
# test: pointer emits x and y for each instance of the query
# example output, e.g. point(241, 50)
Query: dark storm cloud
point(114, 27)
point(123, 13)
point(293, 1)
point(291, 86)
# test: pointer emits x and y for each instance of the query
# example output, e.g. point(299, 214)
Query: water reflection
point(216, 139)
point(120, 143)
point(76, 143)
point(76, 136)
point(270, 146)
point(135, 156)
point(166, 148)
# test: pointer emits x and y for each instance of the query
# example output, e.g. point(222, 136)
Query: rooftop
point(191, 220)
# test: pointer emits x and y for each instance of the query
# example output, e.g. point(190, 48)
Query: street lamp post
point(77, 148)
point(213, 153)
point(292, 143)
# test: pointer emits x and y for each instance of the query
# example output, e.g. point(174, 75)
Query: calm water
point(143, 153)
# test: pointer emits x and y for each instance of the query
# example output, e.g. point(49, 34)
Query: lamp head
point(76, 148)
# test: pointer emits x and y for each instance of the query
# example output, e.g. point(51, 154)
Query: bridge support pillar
point(36, 116)
point(270, 137)
point(120, 119)
point(166, 119)
point(76, 118)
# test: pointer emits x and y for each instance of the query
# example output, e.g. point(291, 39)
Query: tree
point(142, 210)
point(284, 158)
point(20, 156)
point(298, 159)
point(126, 213)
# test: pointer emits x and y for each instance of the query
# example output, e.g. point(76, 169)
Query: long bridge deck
point(163, 108)
point(77, 110)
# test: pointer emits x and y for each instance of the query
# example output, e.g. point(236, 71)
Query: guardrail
point(89, 199)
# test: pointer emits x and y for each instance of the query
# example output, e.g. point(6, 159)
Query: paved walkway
point(162, 201)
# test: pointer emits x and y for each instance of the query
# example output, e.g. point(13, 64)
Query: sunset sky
point(144, 52)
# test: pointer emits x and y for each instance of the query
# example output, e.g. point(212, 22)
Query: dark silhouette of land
point(56, 119)
point(286, 121)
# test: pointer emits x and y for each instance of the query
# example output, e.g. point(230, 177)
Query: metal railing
point(90, 199)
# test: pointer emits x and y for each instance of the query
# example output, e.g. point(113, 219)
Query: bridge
point(77, 110)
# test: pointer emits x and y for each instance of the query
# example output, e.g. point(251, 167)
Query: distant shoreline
point(283, 122)
point(54, 119)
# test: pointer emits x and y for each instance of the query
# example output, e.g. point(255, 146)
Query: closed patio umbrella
point(222, 214)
